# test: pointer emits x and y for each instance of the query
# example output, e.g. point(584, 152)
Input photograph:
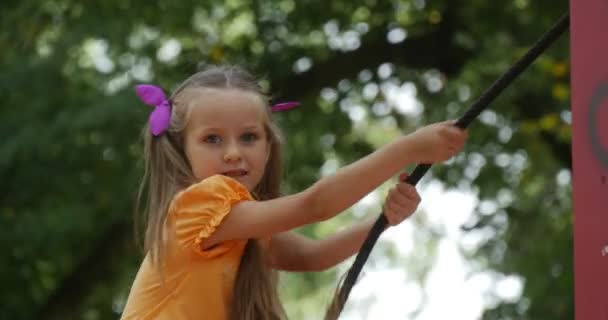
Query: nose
point(232, 152)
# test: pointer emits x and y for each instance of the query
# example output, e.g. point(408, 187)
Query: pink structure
point(589, 82)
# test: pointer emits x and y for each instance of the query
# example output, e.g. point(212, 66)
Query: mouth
point(235, 173)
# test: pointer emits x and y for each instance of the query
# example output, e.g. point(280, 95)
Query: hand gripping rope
point(478, 106)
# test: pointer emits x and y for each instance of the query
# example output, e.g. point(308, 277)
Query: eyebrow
point(248, 127)
point(253, 127)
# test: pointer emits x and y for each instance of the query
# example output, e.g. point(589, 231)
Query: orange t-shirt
point(194, 284)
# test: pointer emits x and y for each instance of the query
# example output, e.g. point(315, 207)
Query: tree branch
point(435, 49)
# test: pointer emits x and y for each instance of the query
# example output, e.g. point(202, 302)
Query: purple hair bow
point(284, 106)
point(161, 115)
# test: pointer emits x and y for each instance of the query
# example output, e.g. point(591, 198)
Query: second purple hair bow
point(160, 117)
point(284, 106)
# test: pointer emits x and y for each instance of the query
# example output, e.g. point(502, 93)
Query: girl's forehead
point(220, 97)
point(210, 107)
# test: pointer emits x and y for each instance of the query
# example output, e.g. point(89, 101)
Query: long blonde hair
point(167, 170)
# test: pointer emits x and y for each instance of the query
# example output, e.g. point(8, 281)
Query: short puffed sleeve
point(198, 210)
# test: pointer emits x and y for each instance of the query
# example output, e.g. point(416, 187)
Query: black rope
point(478, 106)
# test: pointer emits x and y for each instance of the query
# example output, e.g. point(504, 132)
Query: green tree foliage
point(70, 153)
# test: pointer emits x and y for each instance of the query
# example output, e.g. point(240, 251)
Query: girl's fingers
point(408, 192)
point(413, 193)
point(399, 197)
point(454, 134)
point(402, 201)
point(389, 214)
point(396, 218)
point(396, 213)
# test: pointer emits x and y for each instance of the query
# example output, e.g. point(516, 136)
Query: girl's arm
point(333, 194)
point(291, 251)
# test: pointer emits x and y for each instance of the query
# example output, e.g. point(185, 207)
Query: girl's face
point(225, 135)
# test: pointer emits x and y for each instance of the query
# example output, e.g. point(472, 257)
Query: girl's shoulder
point(214, 189)
point(197, 211)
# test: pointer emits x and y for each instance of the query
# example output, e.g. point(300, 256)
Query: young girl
point(217, 225)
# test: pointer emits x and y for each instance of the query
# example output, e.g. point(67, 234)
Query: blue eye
point(249, 137)
point(212, 138)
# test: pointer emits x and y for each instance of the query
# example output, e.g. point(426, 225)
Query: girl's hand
point(401, 202)
point(438, 142)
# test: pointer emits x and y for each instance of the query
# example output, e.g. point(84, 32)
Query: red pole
point(589, 82)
